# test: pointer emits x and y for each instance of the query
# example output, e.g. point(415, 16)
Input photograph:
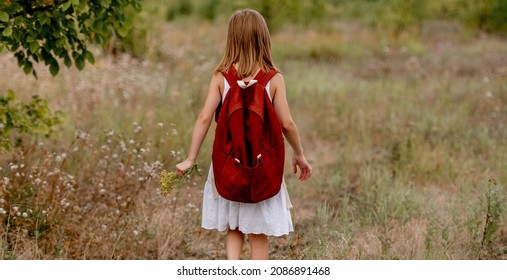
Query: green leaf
point(66, 60)
point(7, 31)
point(34, 46)
point(89, 57)
point(123, 28)
point(54, 68)
point(99, 40)
point(28, 68)
point(44, 18)
point(4, 16)
point(66, 5)
point(80, 63)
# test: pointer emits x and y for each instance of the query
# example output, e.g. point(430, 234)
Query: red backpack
point(248, 150)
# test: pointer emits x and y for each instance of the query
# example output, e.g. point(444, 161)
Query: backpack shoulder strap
point(231, 75)
point(264, 78)
point(232, 78)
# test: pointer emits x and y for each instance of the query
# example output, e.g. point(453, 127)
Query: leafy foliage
point(48, 30)
point(31, 118)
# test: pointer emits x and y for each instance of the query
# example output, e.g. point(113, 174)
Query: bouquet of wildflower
point(171, 180)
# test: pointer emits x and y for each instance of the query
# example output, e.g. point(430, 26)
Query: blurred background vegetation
point(393, 18)
point(401, 106)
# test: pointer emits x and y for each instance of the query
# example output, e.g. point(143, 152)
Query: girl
point(248, 49)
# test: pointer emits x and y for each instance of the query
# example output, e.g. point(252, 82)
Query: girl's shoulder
point(217, 76)
point(217, 81)
point(277, 81)
point(277, 85)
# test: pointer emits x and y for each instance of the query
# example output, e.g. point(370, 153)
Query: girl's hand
point(183, 166)
point(304, 166)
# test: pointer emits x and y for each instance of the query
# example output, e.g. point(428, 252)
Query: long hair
point(248, 44)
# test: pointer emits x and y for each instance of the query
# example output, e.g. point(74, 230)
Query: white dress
point(271, 217)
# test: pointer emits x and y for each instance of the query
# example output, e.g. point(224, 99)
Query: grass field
point(407, 137)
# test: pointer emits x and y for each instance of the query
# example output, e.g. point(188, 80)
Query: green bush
point(396, 16)
point(31, 118)
point(489, 15)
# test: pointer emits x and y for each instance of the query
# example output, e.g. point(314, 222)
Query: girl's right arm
point(203, 122)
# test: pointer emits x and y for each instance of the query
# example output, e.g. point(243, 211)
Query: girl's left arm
point(203, 122)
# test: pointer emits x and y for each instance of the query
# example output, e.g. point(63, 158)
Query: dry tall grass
point(404, 135)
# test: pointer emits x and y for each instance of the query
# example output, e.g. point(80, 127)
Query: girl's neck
point(248, 78)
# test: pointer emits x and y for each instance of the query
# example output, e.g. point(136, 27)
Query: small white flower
point(82, 135)
point(14, 167)
point(160, 125)
point(123, 146)
point(102, 191)
point(135, 232)
point(24, 215)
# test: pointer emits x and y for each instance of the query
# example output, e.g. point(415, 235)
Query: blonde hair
point(248, 44)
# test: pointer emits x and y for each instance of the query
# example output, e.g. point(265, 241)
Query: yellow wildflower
point(171, 180)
